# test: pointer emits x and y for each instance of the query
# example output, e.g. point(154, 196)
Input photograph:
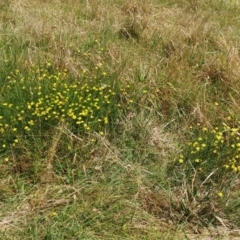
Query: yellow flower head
point(220, 194)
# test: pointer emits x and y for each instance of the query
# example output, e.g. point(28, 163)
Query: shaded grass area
point(103, 115)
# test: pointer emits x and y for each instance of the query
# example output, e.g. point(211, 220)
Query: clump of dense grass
point(206, 170)
point(37, 97)
point(213, 149)
point(43, 97)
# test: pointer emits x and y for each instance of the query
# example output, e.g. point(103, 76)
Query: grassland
point(119, 119)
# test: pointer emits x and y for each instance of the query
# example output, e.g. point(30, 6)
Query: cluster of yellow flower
point(42, 97)
point(213, 148)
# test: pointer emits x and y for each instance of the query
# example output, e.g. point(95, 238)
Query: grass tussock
point(119, 120)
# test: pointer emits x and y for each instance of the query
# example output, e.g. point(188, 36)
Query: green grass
point(119, 120)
